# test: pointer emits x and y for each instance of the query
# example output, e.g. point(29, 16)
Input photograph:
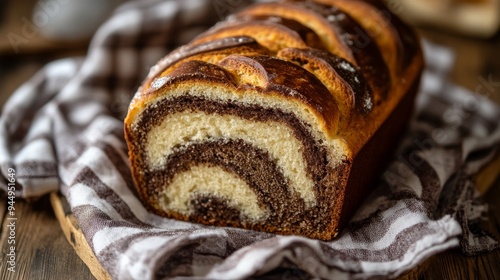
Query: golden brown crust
point(211, 51)
point(331, 39)
point(378, 25)
point(270, 35)
point(357, 99)
point(348, 86)
point(270, 77)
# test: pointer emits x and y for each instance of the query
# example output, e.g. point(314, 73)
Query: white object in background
point(478, 18)
point(71, 19)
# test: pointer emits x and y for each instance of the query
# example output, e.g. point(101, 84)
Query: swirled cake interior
point(257, 122)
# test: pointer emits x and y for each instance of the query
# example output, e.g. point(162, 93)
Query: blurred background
point(34, 32)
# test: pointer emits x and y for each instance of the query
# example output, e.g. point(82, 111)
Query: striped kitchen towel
point(63, 131)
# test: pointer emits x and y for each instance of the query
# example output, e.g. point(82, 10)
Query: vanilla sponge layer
point(214, 181)
point(180, 129)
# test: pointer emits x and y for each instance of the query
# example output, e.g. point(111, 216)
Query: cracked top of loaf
point(343, 64)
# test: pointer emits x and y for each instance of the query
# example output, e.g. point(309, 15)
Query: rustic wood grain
point(486, 177)
point(3, 209)
point(41, 249)
point(75, 236)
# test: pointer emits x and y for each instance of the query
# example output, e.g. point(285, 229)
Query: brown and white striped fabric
point(63, 130)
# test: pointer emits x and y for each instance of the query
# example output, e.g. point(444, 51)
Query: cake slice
point(285, 136)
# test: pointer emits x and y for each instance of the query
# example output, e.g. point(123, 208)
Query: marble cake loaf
point(277, 119)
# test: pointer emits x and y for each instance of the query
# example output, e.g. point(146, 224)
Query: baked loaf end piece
point(276, 119)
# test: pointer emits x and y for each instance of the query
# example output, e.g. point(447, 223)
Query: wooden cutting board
point(484, 180)
point(75, 236)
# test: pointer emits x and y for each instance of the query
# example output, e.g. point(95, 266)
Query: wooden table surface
point(44, 253)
